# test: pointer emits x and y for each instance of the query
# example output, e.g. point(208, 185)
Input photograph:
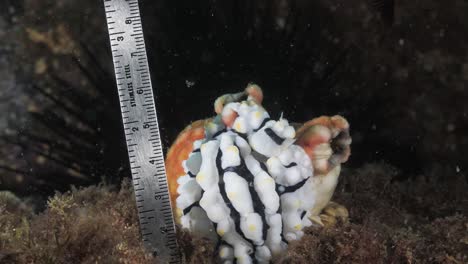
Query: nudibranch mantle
point(251, 183)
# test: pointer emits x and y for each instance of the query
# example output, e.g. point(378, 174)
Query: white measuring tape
point(141, 128)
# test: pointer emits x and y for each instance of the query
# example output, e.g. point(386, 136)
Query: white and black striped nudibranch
point(246, 182)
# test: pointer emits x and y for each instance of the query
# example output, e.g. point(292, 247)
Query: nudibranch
point(251, 183)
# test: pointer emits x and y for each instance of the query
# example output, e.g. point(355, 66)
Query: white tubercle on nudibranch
point(247, 186)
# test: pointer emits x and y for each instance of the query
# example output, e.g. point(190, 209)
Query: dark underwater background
point(397, 70)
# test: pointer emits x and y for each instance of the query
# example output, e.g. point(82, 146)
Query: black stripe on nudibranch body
point(188, 208)
point(196, 150)
point(277, 139)
point(264, 168)
point(258, 206)
point(234, 213)
point(242, 135)
point(190, 174)
point(281, 189)
point(195, 204)
point(219, 132)
point(288, 189)
point(292, 164)
point(262, 124)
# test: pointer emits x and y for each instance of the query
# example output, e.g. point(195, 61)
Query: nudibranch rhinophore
point(251, 183)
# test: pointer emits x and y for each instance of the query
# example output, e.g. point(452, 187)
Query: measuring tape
point(141, 128)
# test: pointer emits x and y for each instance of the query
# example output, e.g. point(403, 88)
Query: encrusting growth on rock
point(99, 224)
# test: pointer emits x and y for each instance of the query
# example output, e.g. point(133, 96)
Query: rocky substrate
point(390, 222)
